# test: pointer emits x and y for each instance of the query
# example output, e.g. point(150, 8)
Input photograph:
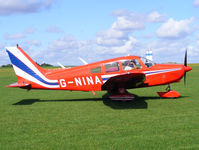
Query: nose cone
point(187, 68)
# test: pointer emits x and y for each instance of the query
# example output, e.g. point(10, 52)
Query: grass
point(41, 119)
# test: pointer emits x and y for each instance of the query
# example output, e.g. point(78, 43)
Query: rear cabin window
point(112, 67)
point(131, 64)
point(96, 70)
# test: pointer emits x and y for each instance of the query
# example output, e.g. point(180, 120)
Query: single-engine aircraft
point(113, 75)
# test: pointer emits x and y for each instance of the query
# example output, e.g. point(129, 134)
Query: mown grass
point(41, 119)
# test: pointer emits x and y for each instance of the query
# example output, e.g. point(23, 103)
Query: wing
point(127, 81)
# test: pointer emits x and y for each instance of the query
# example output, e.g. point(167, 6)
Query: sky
point(52, 31)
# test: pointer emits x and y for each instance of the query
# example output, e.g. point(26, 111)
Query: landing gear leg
point(168, 88)
point(121, 95)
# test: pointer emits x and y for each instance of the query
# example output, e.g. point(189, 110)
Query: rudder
point(27, 71)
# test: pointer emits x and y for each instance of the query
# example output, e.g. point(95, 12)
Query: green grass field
point(50, 120)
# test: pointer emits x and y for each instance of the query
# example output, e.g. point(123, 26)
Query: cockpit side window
point(112, 67)
point(131, 64)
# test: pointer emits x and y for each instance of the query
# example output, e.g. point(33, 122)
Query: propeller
point(186, 68)
point(185, 59)
point(185, 64)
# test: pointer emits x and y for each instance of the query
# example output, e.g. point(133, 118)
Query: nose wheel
point(169, 93)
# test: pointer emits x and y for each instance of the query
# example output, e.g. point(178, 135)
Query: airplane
point(113, 75)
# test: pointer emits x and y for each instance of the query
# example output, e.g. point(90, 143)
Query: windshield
point(147, 62)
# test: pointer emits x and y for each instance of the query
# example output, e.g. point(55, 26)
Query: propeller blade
point(185, 78)
point(185, 64)
point(185, 58)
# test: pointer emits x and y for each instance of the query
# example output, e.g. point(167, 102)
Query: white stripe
point(25, 75)
point(17, 53)
point(161, 71)
point(108, 76)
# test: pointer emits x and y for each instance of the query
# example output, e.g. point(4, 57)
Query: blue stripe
point(105, 79)
point(15, 61)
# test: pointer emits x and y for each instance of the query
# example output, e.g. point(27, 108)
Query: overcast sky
point(54, 31)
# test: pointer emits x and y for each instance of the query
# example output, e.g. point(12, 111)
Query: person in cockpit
point(130, 65)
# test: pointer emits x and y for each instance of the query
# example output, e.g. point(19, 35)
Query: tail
point(29, 74)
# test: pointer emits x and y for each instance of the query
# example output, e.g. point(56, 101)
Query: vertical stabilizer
point(27, 71)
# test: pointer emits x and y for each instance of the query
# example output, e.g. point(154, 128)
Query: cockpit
point(126, 64)
point(131, 64)
point(147, 62)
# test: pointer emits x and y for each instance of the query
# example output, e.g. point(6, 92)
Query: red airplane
point(113, 75)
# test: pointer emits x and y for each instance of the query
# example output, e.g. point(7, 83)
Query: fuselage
point(91, 77)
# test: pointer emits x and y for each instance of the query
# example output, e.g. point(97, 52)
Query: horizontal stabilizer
point(24, 86)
